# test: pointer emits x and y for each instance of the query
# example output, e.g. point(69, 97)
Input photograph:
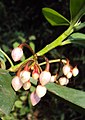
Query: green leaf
point(7, 94)
point(32, 38)
point(18, 104)
point(54, 18)
point(76, 6)
point(74, 96)
point(23, 98)
point(15, 44)
point(76, 38)
point(33, 81)
point(79, 26)
point(32, 89)
point(2, 61)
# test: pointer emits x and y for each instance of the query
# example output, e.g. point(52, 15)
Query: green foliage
point(76, 6)
point(54, 18)
point(76, 97)
point(34, 82)
point(79, 26)
point(32, 38)
point(7, 94)
point(18, 104)
point(2, 61)
point(76, 38)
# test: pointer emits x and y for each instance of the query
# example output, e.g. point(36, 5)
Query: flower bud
point(63, 81)
point(75, 71)
point(45, 77)
point(66, 69)
point(53, 78)
point(35, 75)
point(34, 98)
point(24, 76)
point(17, 54)
point(27, 85)
point(41, 91)
point(16, 83)
point(69, 75)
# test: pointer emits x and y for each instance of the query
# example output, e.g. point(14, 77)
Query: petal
point(34, 98)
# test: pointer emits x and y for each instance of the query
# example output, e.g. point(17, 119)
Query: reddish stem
point(26, 67)
point(47, 65)
point(26, 45)
point(36, 70)
point(67, 62)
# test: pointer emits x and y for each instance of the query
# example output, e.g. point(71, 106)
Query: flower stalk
point(11, 63)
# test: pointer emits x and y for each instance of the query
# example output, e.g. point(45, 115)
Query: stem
point(49, 47)
point(7, 57)
point(52, 45)
point(53, 61)
point(26, 45)
point(47, 65)
point(56, 42)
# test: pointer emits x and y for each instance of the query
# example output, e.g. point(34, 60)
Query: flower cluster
point(68, 72)
point(43, 77)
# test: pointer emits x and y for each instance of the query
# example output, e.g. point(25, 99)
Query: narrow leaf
point(76, 6)
point(76, 38)
point(54, 18)
point(74, 96)
point(7, 94)
point(80, 26)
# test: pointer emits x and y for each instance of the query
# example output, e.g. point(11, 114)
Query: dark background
point(25, 16)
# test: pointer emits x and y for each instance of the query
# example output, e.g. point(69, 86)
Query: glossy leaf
point(54, 18)
point(7, 94)
point(76, 38)
point(74, 96)
point(76, 6)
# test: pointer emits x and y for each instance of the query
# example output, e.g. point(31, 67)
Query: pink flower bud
point(75, 71)
point(66, 69)
point(45, 77)
point(63, 81)
point(34, 98)
point(17, 54)
point(24, 76)
point(69, 75)
point(27, 85)
point(41, 91)
point(16, 83)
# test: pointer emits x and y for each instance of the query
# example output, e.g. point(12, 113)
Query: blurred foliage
point(22, 21)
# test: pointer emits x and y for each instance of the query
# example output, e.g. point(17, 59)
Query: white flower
point(44, 77)
point(66, 69)
point(63, 81)
point(24, 76)
point(27, 85)
point(75, 71)
point(41, 91)
point(16, 83)
point(17, 54)
point(34, 98)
